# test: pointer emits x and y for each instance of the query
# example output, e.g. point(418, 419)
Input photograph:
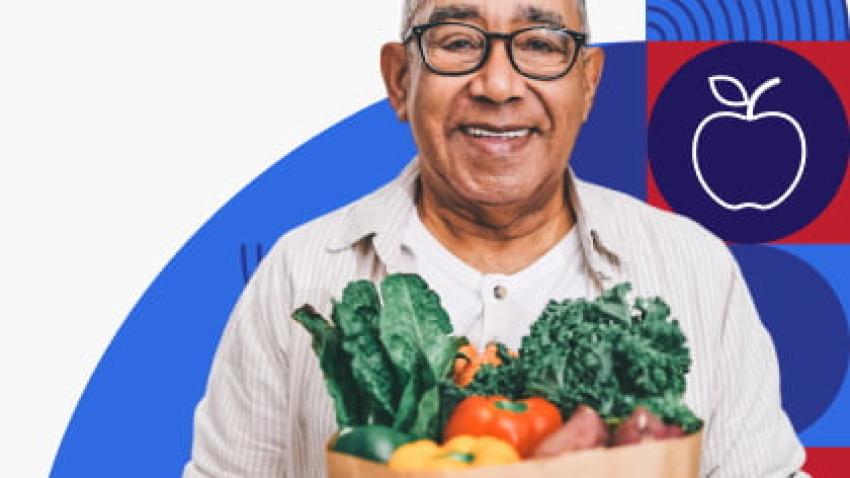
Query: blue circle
point(808, 325)
point(749, 173)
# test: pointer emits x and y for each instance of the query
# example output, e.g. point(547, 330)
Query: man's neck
point(501, 240)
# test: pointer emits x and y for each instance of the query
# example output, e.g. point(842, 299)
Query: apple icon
point(748, 120)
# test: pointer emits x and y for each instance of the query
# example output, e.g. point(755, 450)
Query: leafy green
point(606, 353)
point(384, 357)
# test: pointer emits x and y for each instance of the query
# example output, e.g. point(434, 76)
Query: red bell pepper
point(522, 423)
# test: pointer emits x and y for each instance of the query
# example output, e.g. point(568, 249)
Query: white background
point(123, 127)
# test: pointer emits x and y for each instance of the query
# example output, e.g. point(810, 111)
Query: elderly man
point(493, 218)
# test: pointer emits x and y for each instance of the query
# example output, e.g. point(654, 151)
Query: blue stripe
point(669, 18)
point(812, 20)
point(765, 35)
point(744, 20)
point(805, 20)
point(731, 28)
point(830, 19)
point(796, 17)
point(821, 19)
point(698, 35)
point(839, 27)
point(753, 19)
point(771, 20)
point(708, 18)
point(661, 35)
point(782, 21)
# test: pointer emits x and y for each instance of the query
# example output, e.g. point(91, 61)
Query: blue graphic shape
point(750, 140)
point(833, 263)
point(809, 328)
point(747, 20)
point(135, 414)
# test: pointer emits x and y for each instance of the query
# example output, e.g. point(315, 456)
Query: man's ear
point(593, 61)
point(396, 74)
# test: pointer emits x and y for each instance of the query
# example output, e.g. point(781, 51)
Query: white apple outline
point(750, 103)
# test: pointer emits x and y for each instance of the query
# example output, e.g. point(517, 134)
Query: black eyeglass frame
point(419, 30)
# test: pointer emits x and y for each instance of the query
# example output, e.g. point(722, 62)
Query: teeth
point(486, 133)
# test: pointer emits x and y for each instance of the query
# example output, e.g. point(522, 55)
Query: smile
point(477, 132)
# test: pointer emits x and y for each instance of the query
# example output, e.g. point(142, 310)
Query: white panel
point(123, 127)
point(617, 20)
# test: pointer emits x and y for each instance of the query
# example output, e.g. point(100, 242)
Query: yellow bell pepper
point(463, 451)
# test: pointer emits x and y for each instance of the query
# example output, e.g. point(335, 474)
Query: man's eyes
point(540, 46)
point(460, 44)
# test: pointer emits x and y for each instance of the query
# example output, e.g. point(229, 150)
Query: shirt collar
point(382, 216)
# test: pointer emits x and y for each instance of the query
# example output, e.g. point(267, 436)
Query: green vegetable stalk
point(385, 357)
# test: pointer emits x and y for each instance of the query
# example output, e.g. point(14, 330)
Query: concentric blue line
point(662, 35)
point(749, 20)
point(742, 18)
point(728, 18)
point(691, 19)
point(796, 17)
point(712, 31)
point(669, 19)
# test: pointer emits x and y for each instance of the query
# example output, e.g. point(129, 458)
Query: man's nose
point(497, 81)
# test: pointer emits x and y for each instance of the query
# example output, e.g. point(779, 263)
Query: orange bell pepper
point(522, 423)
point(467, 365)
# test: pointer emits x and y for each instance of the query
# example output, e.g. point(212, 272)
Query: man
point(492, 217)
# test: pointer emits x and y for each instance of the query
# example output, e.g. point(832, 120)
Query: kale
point(384, 358)
point(604, 353)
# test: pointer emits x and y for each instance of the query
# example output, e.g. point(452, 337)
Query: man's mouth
point(497, 140)
point(478, 132)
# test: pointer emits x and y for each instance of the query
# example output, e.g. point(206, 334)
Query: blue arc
point(135, 414)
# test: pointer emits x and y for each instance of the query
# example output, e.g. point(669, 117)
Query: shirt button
point(500, 292)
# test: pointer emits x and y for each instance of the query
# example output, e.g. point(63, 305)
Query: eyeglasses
point(457, 49)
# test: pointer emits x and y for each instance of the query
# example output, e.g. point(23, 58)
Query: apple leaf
point(715, 81)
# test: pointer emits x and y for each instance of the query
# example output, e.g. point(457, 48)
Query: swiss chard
point(384, 357)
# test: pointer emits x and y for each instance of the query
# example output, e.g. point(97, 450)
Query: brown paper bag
point(672, 458)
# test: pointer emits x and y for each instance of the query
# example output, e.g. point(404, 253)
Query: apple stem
point(751, 104)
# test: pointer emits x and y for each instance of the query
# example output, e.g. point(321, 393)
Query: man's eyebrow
point(454, 12)
point(534, 14)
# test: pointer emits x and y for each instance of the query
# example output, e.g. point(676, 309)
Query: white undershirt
point(495, 307)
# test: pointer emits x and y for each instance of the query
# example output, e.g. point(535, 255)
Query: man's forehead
point(554, 12)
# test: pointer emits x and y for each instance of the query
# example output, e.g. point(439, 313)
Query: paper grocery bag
point(672, 458)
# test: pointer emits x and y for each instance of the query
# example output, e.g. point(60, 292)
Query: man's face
point(495, 137)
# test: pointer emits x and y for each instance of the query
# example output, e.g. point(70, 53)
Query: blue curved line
point(762, 20)
point(688, 13)
point(779, 20)
point(667, 17)
point(708, 19)
point(722, 29)
point(806, 20)
point(812, 20)
point(662, 35)
point(687, 27)
point(771, 21)
point(796, 17)
point(744, 20)
point(752, 19)
point(842, 22)
point(820, 19)
point(730, 28)
point(828, 19)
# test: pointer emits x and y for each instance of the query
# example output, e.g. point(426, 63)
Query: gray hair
point(411, 6)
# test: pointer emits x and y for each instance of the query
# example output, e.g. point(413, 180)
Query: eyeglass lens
point(456, 49)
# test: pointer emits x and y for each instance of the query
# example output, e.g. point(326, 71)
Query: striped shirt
point(266, 412)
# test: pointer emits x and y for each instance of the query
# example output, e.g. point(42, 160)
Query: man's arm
point(241, 425)
point(748, 434)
